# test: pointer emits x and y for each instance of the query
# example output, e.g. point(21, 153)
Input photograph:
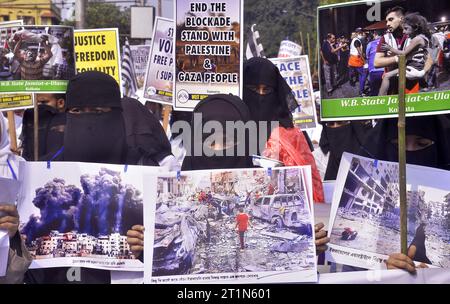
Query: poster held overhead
point(289, 49)
point(9, 102)
point(208, 50)
point(36, 58)
point(159, 74)
point(142, 15)
point(359, 59)
point(140, 54)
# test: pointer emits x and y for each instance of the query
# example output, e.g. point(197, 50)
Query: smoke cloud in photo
point(104, 205)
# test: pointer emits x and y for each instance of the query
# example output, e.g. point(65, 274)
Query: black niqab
point(220, 108)
point(45, 116)
point(275, 106)
point(347, 138)
point(55, 136)
point(94, 137)
point(379, 144)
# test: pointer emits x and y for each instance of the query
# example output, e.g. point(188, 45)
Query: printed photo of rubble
point(232, 221)
point(87, 221)
point(368, 217)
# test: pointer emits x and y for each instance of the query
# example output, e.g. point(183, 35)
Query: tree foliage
point(100, 14)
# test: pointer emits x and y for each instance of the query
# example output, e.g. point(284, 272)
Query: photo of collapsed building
point(196, 223)
point(368, 216)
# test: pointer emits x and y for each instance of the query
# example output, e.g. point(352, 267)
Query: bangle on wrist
point(396, 58)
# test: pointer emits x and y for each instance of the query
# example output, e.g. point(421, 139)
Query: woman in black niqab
point(94, 132)
point(223, 148)
point(270, 99)
point(96, 135)
point(276, 102)
point(147, 142)
point(348, 137)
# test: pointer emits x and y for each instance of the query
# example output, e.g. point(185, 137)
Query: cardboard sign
point(161, 63)
point(359, 80)
point(208, 50)
point(36, 58)
point(364, 226)
point(85, 230)
point(295, 71)
point(12, 102)
point(289, 49)
point(223, 232)
point(98, 50)
point(140, 54)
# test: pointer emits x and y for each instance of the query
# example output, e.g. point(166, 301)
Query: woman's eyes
point(424, 143)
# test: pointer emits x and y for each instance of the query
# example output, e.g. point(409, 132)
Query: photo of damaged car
point(283, 210)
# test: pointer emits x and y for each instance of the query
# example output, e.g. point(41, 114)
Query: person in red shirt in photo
point(242, 223)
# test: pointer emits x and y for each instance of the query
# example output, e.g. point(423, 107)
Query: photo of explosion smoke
point(87, 221)
point(232, 222)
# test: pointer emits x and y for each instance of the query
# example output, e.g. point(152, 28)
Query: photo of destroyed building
point(195, 223)
point(370, 188)
point(72, 244)
point(368, 216)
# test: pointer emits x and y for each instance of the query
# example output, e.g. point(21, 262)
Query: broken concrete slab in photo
point(281, 235)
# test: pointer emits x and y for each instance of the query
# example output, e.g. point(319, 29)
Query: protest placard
point(295, 70)
point(365, 214)
point(208, 51)
point(36, 58)
point(140, 54)
point(10, 102)
point(289, 49)
point(11, 23)
point(359, 70)
point(98, 50)
point(160, 67)
point(78, 214)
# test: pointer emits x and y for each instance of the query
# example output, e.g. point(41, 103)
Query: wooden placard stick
point(36, 131)
point(309, 45)
point(12, 131)
point(402, 154)
point(301, 41)
point(316, 58)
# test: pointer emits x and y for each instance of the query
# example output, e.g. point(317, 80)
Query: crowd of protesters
point(353, 58)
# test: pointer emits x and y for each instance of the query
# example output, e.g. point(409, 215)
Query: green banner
point(18, 86)
point(383, 106)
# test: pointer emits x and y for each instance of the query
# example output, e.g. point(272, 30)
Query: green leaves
point(279, 20)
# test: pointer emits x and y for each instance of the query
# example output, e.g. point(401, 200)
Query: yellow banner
point(16, 102)
point(98, 50)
